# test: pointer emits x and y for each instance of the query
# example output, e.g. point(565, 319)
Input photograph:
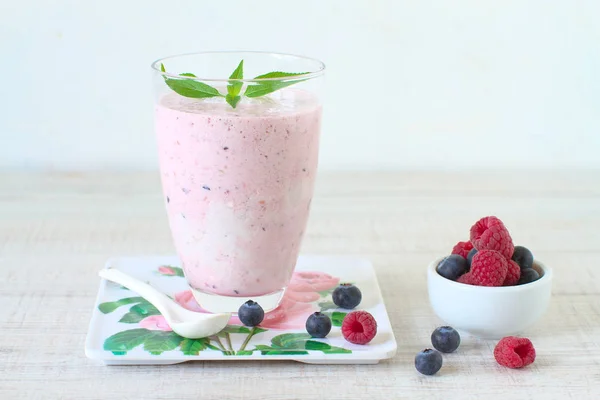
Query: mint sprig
point(195, 89)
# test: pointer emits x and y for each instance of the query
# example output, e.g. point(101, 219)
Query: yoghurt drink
point(238, 184)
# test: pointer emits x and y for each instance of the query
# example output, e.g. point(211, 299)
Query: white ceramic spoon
point(188, 324)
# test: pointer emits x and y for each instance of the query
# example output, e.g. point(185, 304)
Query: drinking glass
point(238, 154)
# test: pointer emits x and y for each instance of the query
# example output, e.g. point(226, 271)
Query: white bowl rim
point(546, 277)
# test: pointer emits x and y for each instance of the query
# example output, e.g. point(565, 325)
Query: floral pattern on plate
point(308, 292)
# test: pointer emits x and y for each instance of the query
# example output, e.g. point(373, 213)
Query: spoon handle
point(158, 299)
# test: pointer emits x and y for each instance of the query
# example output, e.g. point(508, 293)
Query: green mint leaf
point(190, 87)
point(188, 74)
point(233, 89)
point(162, 67)
point(232, 100)
point(279, 74)
point(262, 88)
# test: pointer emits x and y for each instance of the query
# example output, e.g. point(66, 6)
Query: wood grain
point(56, 230)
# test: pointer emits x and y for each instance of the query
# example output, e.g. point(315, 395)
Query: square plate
point(127, 330)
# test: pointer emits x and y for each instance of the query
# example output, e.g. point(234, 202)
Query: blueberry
point(251, 313)
point(470, 256)
point(318, 325)
point(523, 257)
point(445, 339)
point(346, 296)
point(452, 266)
point(428, 361)
point(528, 275)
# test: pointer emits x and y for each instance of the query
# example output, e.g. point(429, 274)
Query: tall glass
point(238, 154)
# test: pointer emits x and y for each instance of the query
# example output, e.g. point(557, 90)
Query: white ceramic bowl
point(489, 312)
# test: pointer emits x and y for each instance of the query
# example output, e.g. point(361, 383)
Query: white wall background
point(411, 84)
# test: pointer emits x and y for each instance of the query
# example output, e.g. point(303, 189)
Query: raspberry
point(488, 268)
point(462, 248)
point(467, 279)
point(513, 274)
point(514, 352)
point(359, 327)
point(489, 233)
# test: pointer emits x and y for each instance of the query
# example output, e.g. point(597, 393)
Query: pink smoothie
point(238, 184)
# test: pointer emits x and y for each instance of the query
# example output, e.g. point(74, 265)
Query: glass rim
point(155, 65)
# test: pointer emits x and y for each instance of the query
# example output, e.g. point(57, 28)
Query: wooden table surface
point(56, 231)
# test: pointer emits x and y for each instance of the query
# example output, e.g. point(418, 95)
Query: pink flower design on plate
point(155, 323)
point(166, 270)
point(186, 300)
point(304, 281)
point(297, 303)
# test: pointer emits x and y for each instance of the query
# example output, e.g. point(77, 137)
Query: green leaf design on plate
point(284, 352)
point(111, 306)
point(160, 342)
point(290, 340)
point(240, 329)
point(325, 347)
point(327, 305)
point(131, 318)
point(144, 308)
point(244, 353)
point(192, 347)
point(177, 271)
point(314, 345)
point(138, 312)
point(234, 329)
point(125, 341)
point(269, 351)
point(337, 318)
point(213, 347)
point(298, 343)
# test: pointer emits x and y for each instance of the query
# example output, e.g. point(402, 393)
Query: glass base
point(216, 303)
